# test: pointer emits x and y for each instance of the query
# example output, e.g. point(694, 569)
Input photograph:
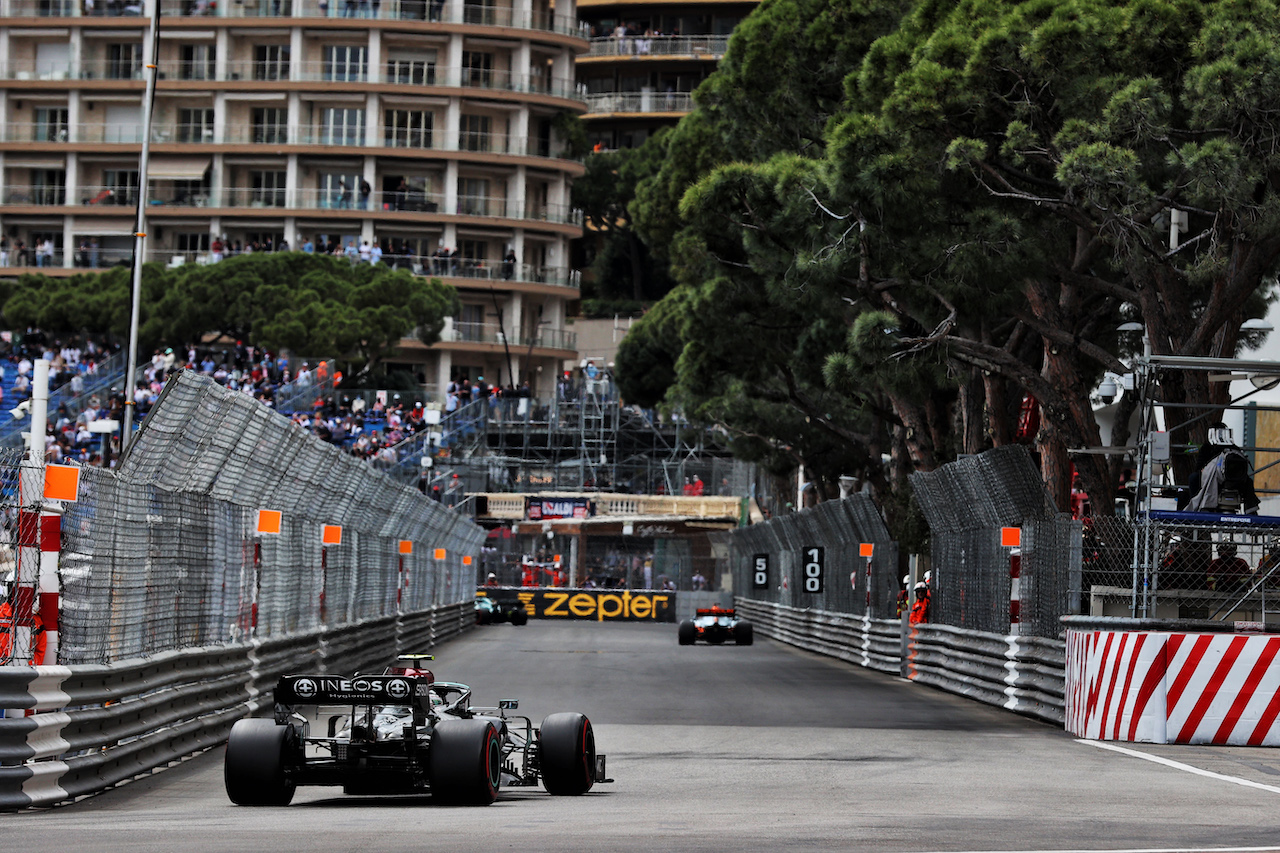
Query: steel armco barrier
point(873, 643)
point(98, 725)
point(1026, 675)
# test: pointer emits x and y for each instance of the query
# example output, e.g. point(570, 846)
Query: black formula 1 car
point(715, 625)
point(403, 732)
point(489, 612)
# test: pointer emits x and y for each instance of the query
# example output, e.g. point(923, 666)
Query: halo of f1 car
point(715, 625)
point(403, 732)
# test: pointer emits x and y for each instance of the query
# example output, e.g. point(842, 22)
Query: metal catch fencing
point(812, 559)
point(1188, 566)
point(966, 503)
point(166, 554)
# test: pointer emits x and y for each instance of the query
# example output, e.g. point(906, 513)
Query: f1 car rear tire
point(519, 616)
point(568, 754)
point(743, 633)
point(254, 768)
point(687, 632)
point(465, 763)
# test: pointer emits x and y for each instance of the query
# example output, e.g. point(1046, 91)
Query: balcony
point(249, 198)
point(639, 102)
point(684, 47)
point(304, 72)
point(489, 333)
point(433, 11)
point(98, 259)
point(275, 135)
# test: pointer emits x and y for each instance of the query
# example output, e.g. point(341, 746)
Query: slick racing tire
point(568, 754)
point(254, 769)
point(465, 763)
point(743, 634)
point(687, 632)
point(519, 616)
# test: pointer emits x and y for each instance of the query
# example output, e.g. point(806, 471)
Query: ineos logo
point(397, 689)
point(360, 685)
point(304, 688)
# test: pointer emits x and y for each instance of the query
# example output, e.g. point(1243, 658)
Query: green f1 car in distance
point(403, 732)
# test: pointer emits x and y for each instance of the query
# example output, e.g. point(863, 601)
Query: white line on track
point(1177, 765)
point(1131, 850)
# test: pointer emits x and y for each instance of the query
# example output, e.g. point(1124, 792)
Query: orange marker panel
point(1011, 537)
point(61, 482)
point(269, 520)
point(331, 535)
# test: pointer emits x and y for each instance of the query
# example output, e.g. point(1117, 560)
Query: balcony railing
point(90, 258)
point(640, 102)
point(302, 71)
point(285, 199)
point(490, 333)
point(71, 8)
point(391, 10)
point(641, 46)
point(241, 134)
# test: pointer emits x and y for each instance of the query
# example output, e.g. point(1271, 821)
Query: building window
point(51, 124)
point(122, 185)
point(271, 62)
point(342, 126)
point(474, 254)
point(197, 62)
point(49, 186)
point(477, 68)
point(267, 189)
point(191, 192)
point(416, 72)
point(479, 12)
point(270, 125)
point(474, 133)
point(124, 61)
point(193, 242)
point(337, 190)
point(408, 128)
point(195, 125)
point(347, 63)
point(473, 196)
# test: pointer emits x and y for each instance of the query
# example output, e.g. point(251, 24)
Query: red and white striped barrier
point(1160, 687)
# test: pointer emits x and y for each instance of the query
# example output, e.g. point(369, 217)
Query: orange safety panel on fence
point(61, 482)
point(269, 520)
point(331, 535)
point(406, 546)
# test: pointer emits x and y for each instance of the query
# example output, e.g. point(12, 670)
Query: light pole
point(150, 60)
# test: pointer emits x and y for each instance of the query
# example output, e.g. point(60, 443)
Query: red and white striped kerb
point(1158, 687)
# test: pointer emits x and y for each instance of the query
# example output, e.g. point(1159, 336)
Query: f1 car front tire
point(568, 754)
point(465, 764)
point(687, 632)
point(253, 770)
point(519, 616)
point(743, 634)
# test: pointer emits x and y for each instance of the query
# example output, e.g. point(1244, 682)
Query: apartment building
point(414, 125)
point(645, 60)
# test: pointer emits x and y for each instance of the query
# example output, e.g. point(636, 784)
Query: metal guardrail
point(1026, 675)
point(102, 724)
point(873, 643)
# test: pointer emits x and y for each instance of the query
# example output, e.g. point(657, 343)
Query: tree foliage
point(622, 267)
point(988, 197)
point(305, 303)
